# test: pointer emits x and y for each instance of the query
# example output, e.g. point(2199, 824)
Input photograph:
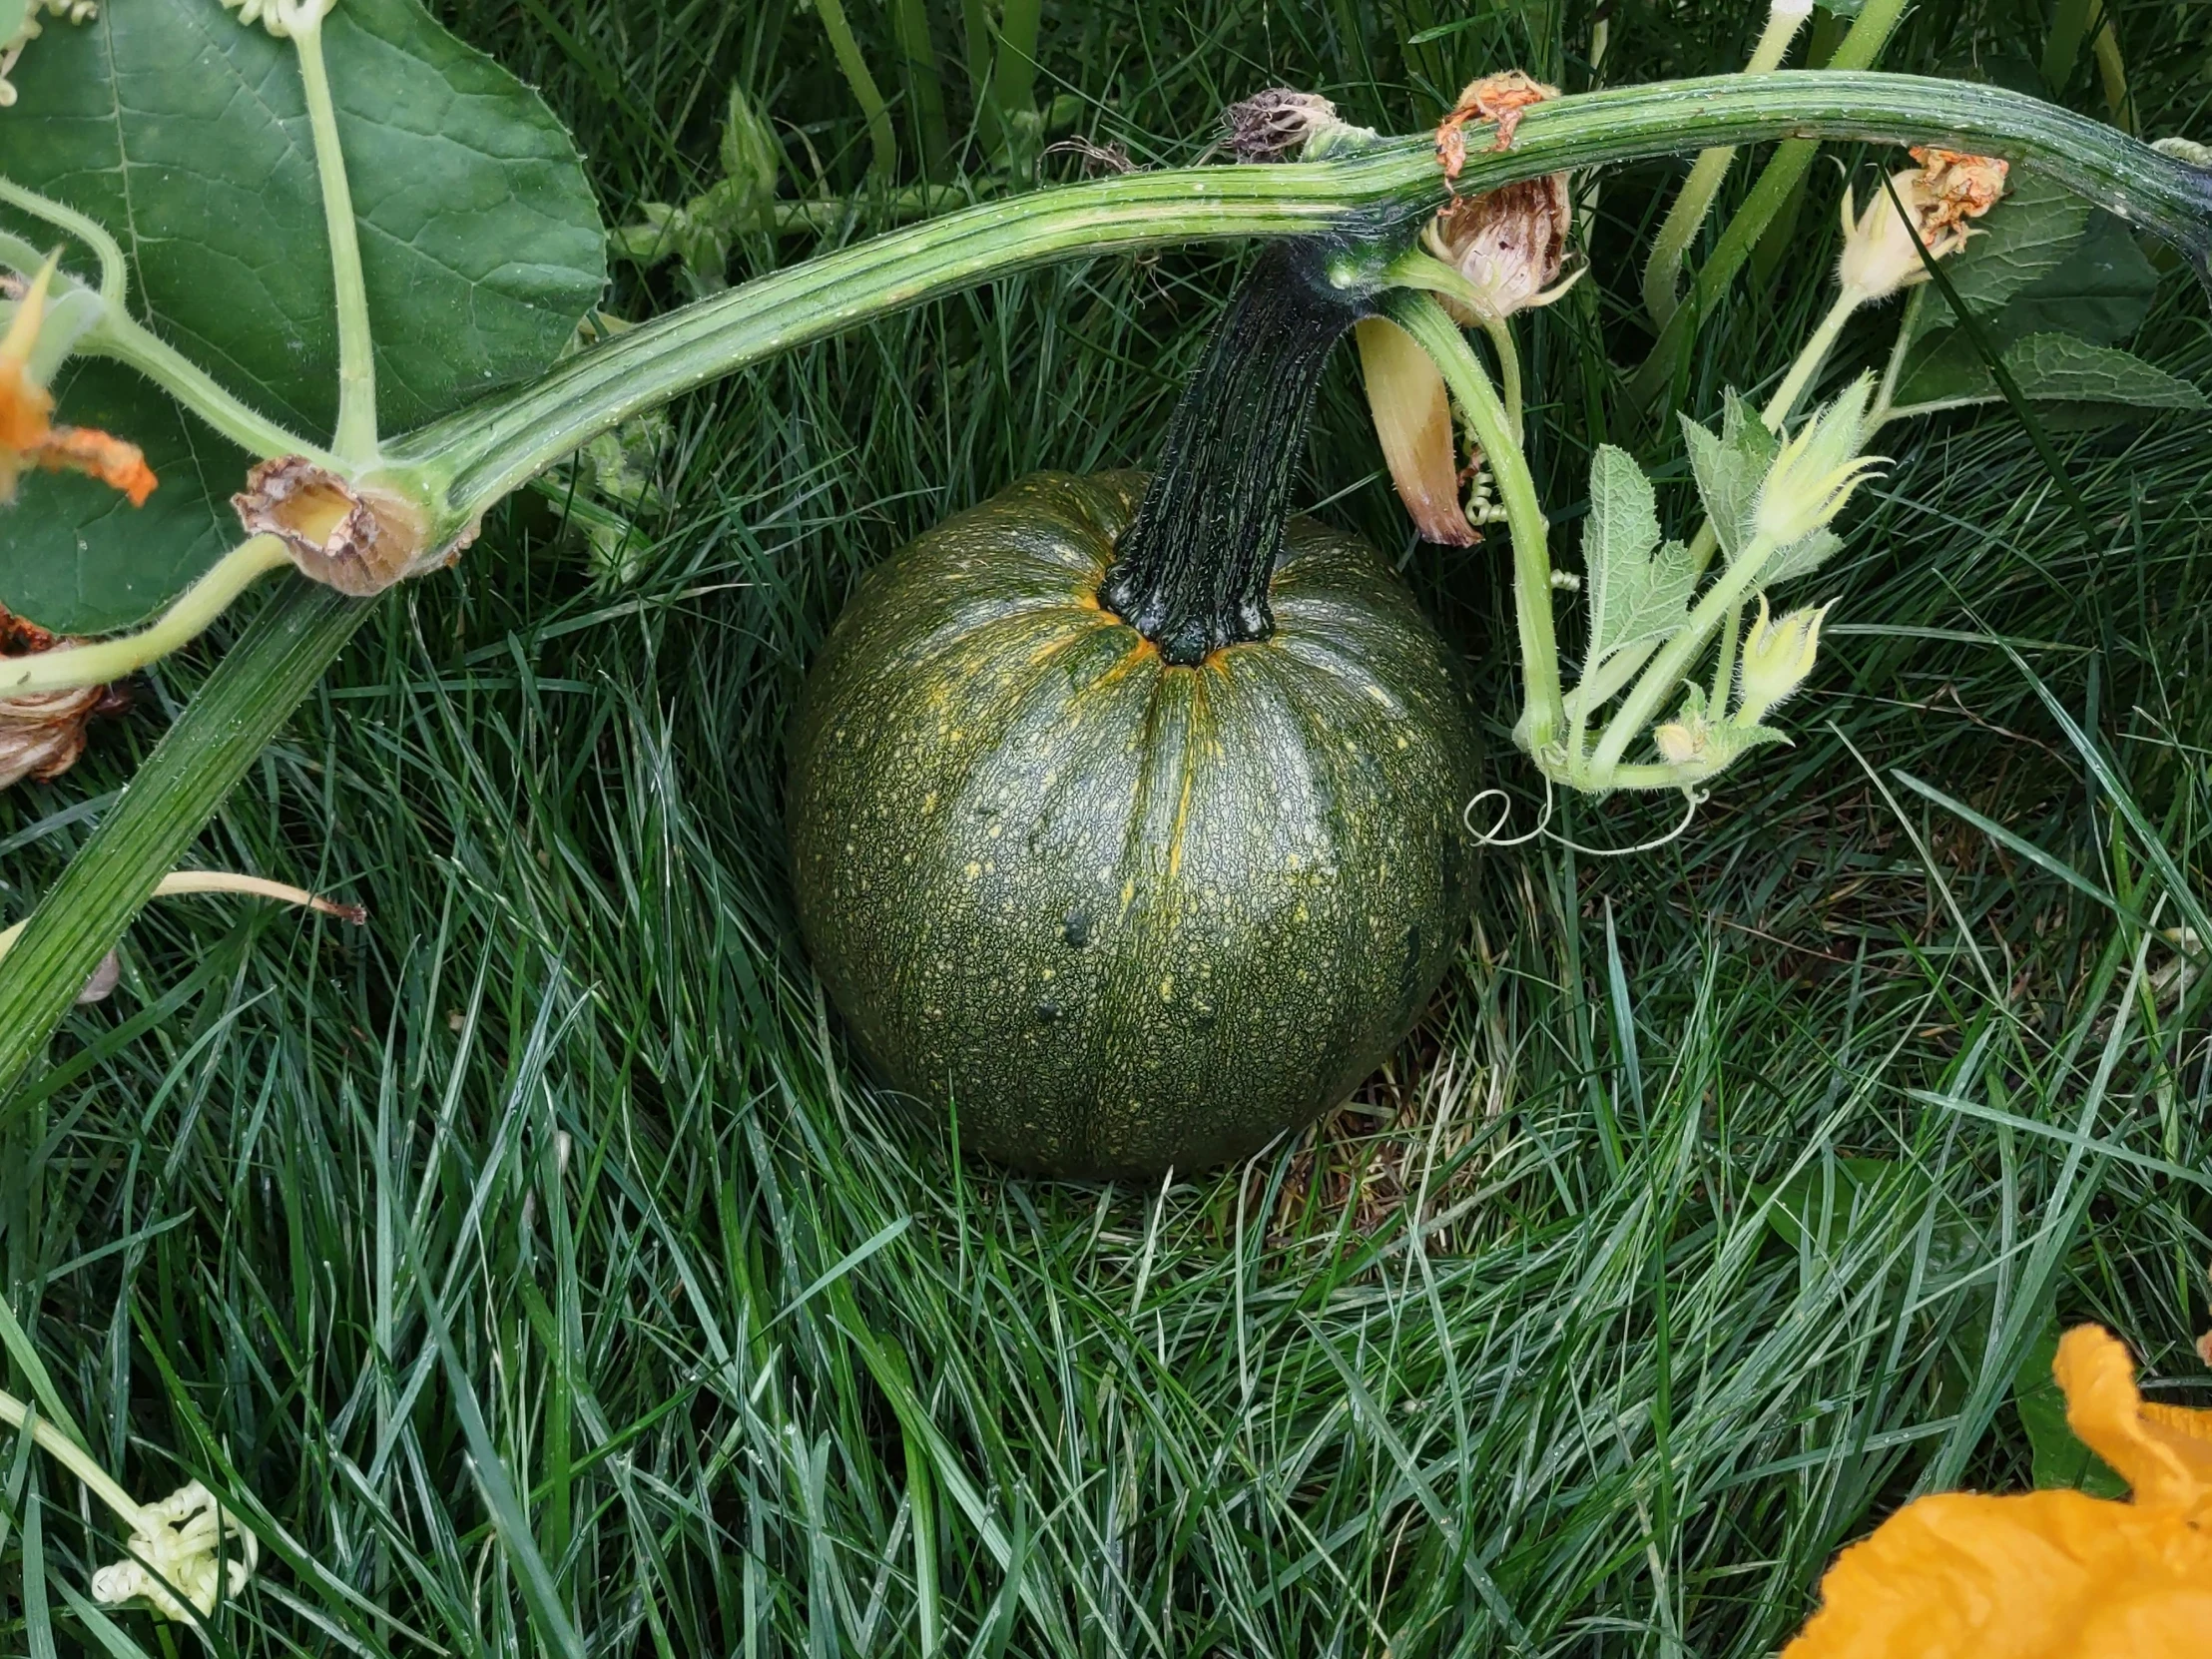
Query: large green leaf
point(186, 135)
point(2047, 367)
point(2026, 238)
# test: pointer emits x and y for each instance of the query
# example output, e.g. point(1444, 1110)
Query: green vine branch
point(473, 458)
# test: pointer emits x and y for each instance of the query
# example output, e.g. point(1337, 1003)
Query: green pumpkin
point(1126, 812)
point(1122, 914)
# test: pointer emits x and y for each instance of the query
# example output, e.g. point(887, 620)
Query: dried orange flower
point(1494, 98)
point(1964, 187)
point(42, 735)
point(1509, 243)
point(1881, 251)
point(28, 436)
point(2045, 1575)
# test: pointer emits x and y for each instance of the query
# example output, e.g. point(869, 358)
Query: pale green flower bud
point(751, 157)
point(1776, 656)
point(1815, 471)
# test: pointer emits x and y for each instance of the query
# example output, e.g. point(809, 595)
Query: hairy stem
point(1776, 184)
point(1433, 331)
point(1666, 671)
point(117, 336)
point(115, 275)
point(253, 690)
point(106, 660)
point(1809, 360)
point(1687, 217)
point(1884, 397)
point(355, 439)
point(1500, 332)
point(1723, 662)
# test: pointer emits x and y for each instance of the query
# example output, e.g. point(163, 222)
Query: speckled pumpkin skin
point(1123, 916)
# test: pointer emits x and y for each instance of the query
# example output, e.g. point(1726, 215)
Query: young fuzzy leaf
point(2048, 368)
point(1801, 558)
point(480, 242)
point(1635, 594)
point(1729, 468)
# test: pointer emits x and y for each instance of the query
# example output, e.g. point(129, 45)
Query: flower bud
point(751, 157)
point(1682, 742)
point(1815, 471)
point(1776, 656)
point(1509, 243)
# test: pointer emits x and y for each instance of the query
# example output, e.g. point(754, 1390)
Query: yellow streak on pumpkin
point(1182, 821)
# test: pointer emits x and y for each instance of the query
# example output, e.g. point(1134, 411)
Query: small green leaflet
point(185, 133)
point(1730, 469)
point(2048, 368)
point(1635, 594)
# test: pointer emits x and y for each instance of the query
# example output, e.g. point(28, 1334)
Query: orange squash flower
point(28, 436)
point(2044, 1575)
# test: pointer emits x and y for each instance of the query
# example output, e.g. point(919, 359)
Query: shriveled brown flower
point(1960, 186)
point(1882, 250)
point(1500, 99)
point(1273, 126)
point(1510, 244)
point(42, 735)
point(1413, 422)
point(349, 536)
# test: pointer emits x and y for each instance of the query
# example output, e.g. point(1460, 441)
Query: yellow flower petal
point(2164, 1453)
point(2044, 1575)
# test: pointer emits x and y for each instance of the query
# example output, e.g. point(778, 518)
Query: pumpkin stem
point(1192, 571)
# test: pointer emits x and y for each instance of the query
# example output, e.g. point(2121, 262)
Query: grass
point(537, 1273)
